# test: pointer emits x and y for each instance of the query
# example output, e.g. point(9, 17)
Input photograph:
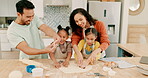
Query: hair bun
point(59, 27)
point(24, 0)
point(67, 28)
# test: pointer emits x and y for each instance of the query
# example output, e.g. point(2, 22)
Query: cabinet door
point(7, 8)
point(79, 4)
point(38, 7)
point(3, 8)
point(11, 8)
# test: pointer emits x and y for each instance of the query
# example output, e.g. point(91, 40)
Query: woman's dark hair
point(66, 29)
point(73, 24)
point(89, 31)
point(24, 4)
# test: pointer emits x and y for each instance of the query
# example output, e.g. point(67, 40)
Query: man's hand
point(52, 47)
point(49, 32)
point(57, 38)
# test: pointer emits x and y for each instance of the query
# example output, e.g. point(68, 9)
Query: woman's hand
point(66, 63)
point(57, 65)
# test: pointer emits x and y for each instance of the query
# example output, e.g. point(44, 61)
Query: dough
point(73, 68)
point(31, 62)
point(15, 74)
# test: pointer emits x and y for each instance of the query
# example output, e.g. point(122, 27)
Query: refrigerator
point(109, 13)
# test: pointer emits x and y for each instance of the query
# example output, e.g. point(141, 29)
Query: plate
point(143, 70)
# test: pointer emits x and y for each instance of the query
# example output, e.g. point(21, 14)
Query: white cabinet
point(3, 8)
point(4, 44)
point(9, 55)
point(11, 8)
point(7, 8)
point(79, 4)
point(38, 7)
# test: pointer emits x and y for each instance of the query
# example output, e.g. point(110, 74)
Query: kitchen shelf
point(57, 5)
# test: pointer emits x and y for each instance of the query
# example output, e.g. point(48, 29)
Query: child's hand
point(84, 64)
point(66, 63)
point(57, 65)
point(93, 56)
point(79, 60)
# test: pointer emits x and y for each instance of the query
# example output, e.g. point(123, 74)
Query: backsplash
point(56, 15)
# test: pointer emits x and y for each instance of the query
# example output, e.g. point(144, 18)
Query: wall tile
point(56, 15)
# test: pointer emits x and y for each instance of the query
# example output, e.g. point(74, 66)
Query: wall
point(59, 14)
point(140, 19)
point(56, 15)
point(137, 34)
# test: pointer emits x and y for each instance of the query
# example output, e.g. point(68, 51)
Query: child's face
point(64, 36)
point(90, 39)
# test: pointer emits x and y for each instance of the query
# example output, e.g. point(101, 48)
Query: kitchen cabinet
point(7, 8)
point(3, 8)
point(9, 54)
point(38, 7)
point(79, 4)
point(11, 8)
point(4, 43)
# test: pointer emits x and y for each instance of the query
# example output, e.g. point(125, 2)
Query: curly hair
point(73, 24)
point(66, 29)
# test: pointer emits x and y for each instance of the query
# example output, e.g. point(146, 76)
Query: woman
point(80, 20)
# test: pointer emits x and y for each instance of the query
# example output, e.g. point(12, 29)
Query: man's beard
point(26, 22)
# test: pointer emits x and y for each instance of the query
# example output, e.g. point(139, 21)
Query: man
point(23, 33)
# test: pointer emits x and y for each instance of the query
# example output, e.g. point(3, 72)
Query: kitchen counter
point(6, 66)
point(136, 50)
point(3, 28)
point(9, 54)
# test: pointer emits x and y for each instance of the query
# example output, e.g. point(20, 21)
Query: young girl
point(64, 50)
point(88, 45)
